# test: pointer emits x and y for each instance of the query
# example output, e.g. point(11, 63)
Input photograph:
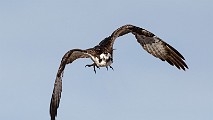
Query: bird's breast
point(103, 60)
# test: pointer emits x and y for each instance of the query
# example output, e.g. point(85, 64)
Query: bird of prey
point(102, 56)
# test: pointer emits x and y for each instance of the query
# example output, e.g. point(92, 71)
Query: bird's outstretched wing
point(69, 57)
point(150, 42)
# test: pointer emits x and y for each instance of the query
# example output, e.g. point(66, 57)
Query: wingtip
point(185, 67)
point(173, 49)
point(53, 111)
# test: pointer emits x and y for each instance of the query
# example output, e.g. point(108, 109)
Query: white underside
point(104, 62)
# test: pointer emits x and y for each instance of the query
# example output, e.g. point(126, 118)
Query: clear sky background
point(34, 35)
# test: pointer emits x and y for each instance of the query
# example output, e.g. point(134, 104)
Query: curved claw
point(89, 65)
point(93, 65)
point(110, 67)
point(94, 69)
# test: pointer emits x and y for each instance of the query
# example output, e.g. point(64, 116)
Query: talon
point(97, 67)
point(94, 69)
point(111, 68)
point(93, 65)
point(89, 65)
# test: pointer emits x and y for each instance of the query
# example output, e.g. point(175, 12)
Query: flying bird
point(102, 56)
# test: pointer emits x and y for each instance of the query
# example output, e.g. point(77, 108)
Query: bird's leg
point(111, 67)
point(90, 65)
point(94, 69)
point(93, 65)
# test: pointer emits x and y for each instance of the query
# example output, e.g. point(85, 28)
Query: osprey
point(102, 56)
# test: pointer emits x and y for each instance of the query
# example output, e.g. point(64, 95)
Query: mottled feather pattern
point(104, 50)
point(55, 100)
point(69, 57)
point(152, 44)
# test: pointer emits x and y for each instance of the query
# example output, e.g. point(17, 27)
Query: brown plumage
point(102, 56)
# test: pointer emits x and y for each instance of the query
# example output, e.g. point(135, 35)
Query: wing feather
point(151, 43)
point(162, 50)
point(69, 57)
point(178, 58)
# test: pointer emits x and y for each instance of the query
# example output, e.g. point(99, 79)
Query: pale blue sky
point(35, 35)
